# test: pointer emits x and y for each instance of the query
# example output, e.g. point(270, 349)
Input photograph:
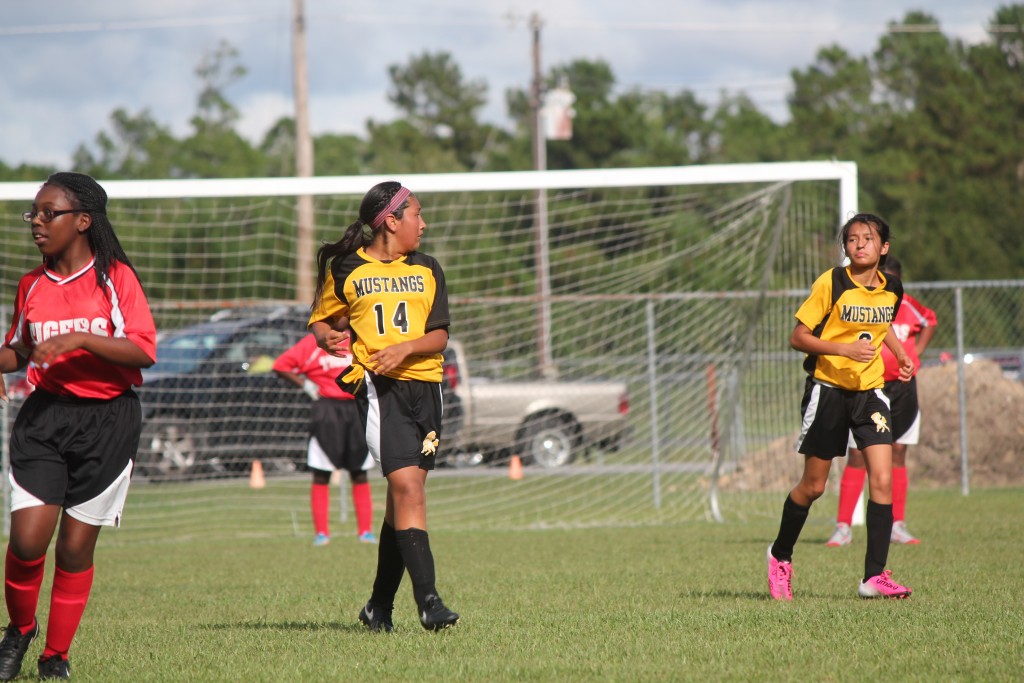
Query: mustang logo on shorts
point(880, 424)
point(430, 443)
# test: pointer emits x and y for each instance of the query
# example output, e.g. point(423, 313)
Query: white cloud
point(68, 65)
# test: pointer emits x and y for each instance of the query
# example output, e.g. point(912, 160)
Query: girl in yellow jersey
point(374, 286)
point(841, 327)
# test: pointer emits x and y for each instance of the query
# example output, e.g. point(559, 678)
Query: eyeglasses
point(47, 215)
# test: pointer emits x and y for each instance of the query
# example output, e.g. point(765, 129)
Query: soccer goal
point(679, 284)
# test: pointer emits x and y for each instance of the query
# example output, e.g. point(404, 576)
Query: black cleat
point(435, 616)
point(376, 617)
point(13, 648)
point(54, 667)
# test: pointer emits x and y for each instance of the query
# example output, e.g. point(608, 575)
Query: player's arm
point(9, 362)
point(802, 339)
point(924, 337)
point(117, 350)
point(896, 346)
point(389, 358)
point(330, 335)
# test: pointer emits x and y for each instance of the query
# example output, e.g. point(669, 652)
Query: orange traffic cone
point(515, 468)
point(256, 478)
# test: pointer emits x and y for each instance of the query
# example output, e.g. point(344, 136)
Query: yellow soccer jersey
point(386, 303)
point(840, 310)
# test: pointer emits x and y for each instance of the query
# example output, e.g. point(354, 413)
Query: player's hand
point(311, 389)
point(46, 352)
point(861, 351)
point(387, 359)
point(334, 341)
point(3, 391)
point(906, 368)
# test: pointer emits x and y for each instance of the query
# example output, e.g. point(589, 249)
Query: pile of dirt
point(995, 432)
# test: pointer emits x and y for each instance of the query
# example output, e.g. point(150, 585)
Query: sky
point(66, 65)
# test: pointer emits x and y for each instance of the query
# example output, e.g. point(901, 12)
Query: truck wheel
point(550, 440)
point(166, 449)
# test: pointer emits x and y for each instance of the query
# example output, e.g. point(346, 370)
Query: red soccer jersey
point(912, 317)
point(319, 367)
point(48, 304)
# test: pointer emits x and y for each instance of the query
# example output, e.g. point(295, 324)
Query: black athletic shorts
point(399, 416)
point(830, 415)
point(338, 430)
point(904, 407)
point(68, 451)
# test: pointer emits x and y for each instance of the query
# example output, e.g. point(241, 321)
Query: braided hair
point(86, 195)
point(360, 233)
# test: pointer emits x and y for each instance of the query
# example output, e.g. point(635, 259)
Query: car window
point(183, 353)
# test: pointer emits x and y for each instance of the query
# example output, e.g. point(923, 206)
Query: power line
point(507, 20)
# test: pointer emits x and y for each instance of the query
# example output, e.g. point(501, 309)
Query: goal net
point(622, 334)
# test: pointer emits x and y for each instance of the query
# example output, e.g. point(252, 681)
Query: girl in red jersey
point(337, 439)
point(840, 327)
point(83, 326)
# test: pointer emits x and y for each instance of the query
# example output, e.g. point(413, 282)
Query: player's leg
point(362, 502)
point(376, 614)
point(406, 487)
point(38, 478)
point(320, 504)
point(906, 427)
point(72, 586)
point(31, 531)
point(878, 582)
point(823, 436)
point(851, 487)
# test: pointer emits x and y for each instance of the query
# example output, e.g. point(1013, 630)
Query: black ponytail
point(358, 234)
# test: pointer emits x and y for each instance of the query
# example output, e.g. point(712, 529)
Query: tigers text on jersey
point(841, 310)
point(386, 303)
point(48, 304)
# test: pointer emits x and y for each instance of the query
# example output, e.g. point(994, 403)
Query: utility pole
point(540, 163)
point(304, 286)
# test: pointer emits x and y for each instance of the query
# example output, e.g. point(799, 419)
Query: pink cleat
point(780, 578)
point(882, 586)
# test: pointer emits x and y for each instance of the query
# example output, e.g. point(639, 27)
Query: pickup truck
point(545, 422)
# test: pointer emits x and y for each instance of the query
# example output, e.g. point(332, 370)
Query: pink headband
point(396, 201)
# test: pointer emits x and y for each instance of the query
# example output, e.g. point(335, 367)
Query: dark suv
point(212, 403)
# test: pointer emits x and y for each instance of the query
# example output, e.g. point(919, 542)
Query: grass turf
point(667, 602)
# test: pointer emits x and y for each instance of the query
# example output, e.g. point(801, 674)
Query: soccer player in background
point(840, 327)
point(84, 328)
point(914, 326)
point(374, 285)
point(337, 440)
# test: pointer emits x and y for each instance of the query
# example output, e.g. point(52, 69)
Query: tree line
point(935, 125)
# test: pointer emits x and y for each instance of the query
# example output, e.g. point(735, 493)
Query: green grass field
point(637, 603)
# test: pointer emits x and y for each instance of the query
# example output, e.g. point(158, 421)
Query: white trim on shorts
point(372, 419)
point(316, 458)
point(913, 433)
point(812, 409)
point(103, 510)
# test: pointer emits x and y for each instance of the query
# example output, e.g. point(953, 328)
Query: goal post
point(678, 283)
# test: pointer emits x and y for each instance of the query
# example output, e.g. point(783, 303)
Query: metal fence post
point(962, 390)
point(652, 384)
